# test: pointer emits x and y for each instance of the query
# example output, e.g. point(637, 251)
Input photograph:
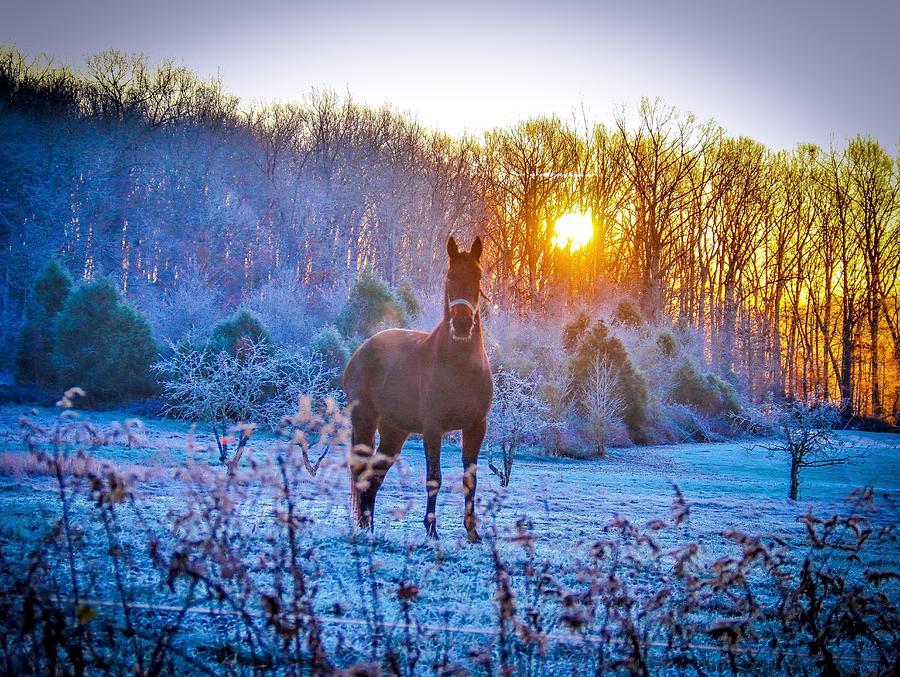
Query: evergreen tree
point(229, 335)
point(371, 306)
point(631, 386)
point(34, 348)
point(103, 345)
point(334, 352)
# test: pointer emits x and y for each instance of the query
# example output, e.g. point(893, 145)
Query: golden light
point(573, 230)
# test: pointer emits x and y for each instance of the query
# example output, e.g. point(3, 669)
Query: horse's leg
point(365, 422)
point(473, 436)
point(432, 441)
point(390, 442)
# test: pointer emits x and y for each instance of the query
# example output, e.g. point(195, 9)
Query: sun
point(573, 230)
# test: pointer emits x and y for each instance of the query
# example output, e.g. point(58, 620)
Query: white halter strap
point(464, 302)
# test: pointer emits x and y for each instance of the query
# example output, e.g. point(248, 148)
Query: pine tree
point(103, 345)
point(597, 344)
point(230, 335)
point(371, 306)
point(34, 348)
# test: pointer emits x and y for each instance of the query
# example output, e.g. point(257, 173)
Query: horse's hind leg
point(390, 443)
point(365, 422)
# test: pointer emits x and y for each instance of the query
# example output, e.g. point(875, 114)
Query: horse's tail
point(351, 467)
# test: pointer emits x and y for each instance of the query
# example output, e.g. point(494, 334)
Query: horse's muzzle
point(462, 326)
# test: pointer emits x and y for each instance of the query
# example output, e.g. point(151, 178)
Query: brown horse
point(401, 381)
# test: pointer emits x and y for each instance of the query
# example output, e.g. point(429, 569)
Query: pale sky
point(779, 71)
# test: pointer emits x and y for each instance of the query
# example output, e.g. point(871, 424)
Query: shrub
point(407, 296)
point(573, 332)
point(596, 344)
point(234, 393)
point(680, 423)
point(371, 306)
point(708, 393)
point(229, 336)
point(517, 415)
point(34, 349)
point(332, 348)
point(103, 345)
point(627, 314)
point(667, 344)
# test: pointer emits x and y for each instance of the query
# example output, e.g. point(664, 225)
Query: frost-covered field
point(565, 504)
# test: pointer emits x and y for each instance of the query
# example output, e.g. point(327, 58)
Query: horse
point(401, 381)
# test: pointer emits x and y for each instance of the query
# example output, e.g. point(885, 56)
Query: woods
point(785, 263)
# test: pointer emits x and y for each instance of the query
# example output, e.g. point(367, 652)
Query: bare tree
point(875, 190)
point(806, 436)
point(602, 402)
point(660, 155)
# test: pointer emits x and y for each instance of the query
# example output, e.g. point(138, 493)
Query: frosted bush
point(236, 393)
point(517, 417)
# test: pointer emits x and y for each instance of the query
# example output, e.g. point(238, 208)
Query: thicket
point(234, 393)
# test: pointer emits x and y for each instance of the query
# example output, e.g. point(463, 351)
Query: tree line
point(785, 263)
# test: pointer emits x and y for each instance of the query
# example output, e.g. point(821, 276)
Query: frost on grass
point(259, 570)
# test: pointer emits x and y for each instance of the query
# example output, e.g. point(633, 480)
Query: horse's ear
point(452, 248)
point(476, 248)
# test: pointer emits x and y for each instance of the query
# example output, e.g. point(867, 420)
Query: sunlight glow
point(573, 230)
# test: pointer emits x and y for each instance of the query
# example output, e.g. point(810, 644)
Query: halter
point(468, 304)
point(464, 302)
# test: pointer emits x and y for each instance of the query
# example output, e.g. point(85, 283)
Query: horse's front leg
point(473, 436)
point(432, 441)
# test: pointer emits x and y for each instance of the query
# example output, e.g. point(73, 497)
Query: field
point(547, 522)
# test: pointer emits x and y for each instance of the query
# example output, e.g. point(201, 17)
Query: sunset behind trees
point(786, 263)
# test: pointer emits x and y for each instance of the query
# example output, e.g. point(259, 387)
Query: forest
point(782, 265)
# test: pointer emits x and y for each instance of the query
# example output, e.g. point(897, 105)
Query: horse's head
point(463, 289)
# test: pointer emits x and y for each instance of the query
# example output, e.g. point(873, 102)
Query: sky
point(782, 72)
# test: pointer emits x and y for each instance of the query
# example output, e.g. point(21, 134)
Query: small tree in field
point(601, 402)
point(806, 436)
point(517, 415)
point(34, 349)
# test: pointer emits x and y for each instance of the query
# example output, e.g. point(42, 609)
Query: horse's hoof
point(473, 538)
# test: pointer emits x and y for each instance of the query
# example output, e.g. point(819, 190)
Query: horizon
point(393, 55)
